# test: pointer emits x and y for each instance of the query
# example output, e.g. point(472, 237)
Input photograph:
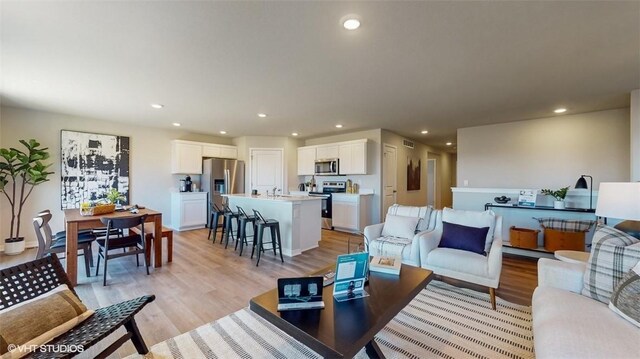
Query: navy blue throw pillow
point(457, 236)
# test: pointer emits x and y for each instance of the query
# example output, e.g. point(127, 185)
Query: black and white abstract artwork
point(91, 165)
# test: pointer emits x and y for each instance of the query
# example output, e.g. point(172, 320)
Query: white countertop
point(281, 198)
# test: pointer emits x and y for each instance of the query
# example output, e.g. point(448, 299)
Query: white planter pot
point(558, 204)
point(13, 248)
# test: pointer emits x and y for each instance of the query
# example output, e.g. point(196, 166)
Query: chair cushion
point(391, 247)
point(399, 226)
point(465, 238)
point(613, 254)
point(454, 259)
point(423, 213)
point(625, 300)
point(38, 320)
point(472, 219)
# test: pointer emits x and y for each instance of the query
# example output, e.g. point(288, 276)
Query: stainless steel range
point(328, 187)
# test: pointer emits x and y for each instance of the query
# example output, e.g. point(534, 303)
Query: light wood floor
point(206, 282)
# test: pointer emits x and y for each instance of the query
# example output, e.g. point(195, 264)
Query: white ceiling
point(411, 66)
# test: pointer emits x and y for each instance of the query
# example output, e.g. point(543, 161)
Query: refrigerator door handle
point(227, 190)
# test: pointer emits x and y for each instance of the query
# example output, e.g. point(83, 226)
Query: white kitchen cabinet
point(353, 157)
point(228, 152)
point(306, 160)
point(186, 157)
point(351, 212)
point(211, 151)
point(327, 151)
point(188, 210)
point(219, 151)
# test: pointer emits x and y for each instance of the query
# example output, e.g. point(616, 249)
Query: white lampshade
point(619, 200)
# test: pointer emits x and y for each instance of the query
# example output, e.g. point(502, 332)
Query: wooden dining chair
point(132, 244)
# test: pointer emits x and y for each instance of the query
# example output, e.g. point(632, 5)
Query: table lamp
point(621, 200)
point(582, 183)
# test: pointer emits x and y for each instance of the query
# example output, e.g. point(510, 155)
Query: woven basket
point(98, 210)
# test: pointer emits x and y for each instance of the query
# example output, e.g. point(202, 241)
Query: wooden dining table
point(75, 222)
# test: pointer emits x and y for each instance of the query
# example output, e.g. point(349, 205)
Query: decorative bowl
point(502, 199)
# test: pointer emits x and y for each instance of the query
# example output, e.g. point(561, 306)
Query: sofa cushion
point(472, 219)
point(423, 213)
point(465, 238)
point(38, 320)
point(454, 259)
point(391, 247)
point(399, 226)
point(625, 300)
point(569, 325)
point(613, 254)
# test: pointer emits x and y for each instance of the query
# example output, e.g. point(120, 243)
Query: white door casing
point(267, 171)
point(389, 177)
point(431, 182)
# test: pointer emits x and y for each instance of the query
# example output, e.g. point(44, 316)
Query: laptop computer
point(300, 293)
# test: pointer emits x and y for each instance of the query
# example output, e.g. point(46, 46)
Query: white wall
point(150, 161)
point(635, 135)
point(373, 180)
point(546, 153)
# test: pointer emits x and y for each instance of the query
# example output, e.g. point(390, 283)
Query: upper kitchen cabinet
point(186, 157)
point(306, 160)
point(353, 157)
point(324, 152)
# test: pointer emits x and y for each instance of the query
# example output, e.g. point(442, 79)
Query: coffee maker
point(185, 184)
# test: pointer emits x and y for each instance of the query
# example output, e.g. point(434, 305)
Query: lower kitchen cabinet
point(188, 210)
point(351, 212)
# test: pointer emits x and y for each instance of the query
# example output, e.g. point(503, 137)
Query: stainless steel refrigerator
point(221, 177)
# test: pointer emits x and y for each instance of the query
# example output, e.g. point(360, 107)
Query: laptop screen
point(299, 290)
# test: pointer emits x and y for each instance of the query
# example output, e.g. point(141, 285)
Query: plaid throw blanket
point(565, 225)
point(392, 246)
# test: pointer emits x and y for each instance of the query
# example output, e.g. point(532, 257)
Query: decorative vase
point(14, 247)
point(558, 204)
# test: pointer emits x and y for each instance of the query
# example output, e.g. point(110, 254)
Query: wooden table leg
point(71, 262)
point(157, 241)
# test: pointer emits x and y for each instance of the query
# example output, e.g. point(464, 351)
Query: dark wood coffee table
point(342, 329)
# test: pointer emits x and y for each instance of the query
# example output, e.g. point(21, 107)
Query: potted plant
point(113, 196)
point(559, 195)
point(20, 172)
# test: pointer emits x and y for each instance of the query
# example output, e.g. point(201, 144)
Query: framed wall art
point(413, 174)
point(91, 165)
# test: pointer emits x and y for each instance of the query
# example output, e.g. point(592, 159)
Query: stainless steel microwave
point(327, 167)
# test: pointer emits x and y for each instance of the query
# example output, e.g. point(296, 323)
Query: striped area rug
point(443, 321)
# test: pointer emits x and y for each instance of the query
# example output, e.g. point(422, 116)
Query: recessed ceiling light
point(338, 126)
point(560, 110)
point(449, 143)
point(223, 132)
point(176, 124)
point(294, 134)
point(157, 105)
point(350, 22)
point(262, 115)
point(424, 132)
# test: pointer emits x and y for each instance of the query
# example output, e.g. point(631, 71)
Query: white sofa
point(407, 248)
point(567, 324)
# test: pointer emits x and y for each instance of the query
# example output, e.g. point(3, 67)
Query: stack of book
point(390, 265)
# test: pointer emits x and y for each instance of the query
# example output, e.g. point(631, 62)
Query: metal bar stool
point(242, 229)
point(274, 226)
point(229, 216)
point(216, 212)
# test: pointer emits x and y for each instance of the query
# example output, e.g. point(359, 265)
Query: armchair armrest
point(562, 275)
point(427, 242)
point(494, 259)
point(373, 231)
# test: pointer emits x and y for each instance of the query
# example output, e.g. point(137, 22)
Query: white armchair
point(461, 264)
point(405, 242)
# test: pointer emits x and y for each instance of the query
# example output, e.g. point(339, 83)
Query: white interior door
point(431, 182)
point(266, 169)
point(389, 178)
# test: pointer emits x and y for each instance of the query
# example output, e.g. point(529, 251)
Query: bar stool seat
point(276, 242)
point(242, 229)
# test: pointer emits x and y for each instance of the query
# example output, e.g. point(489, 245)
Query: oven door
point(325, 209)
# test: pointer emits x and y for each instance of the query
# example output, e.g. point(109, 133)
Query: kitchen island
point(299, 218)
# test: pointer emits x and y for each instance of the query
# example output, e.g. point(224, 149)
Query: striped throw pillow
point(613, 254)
